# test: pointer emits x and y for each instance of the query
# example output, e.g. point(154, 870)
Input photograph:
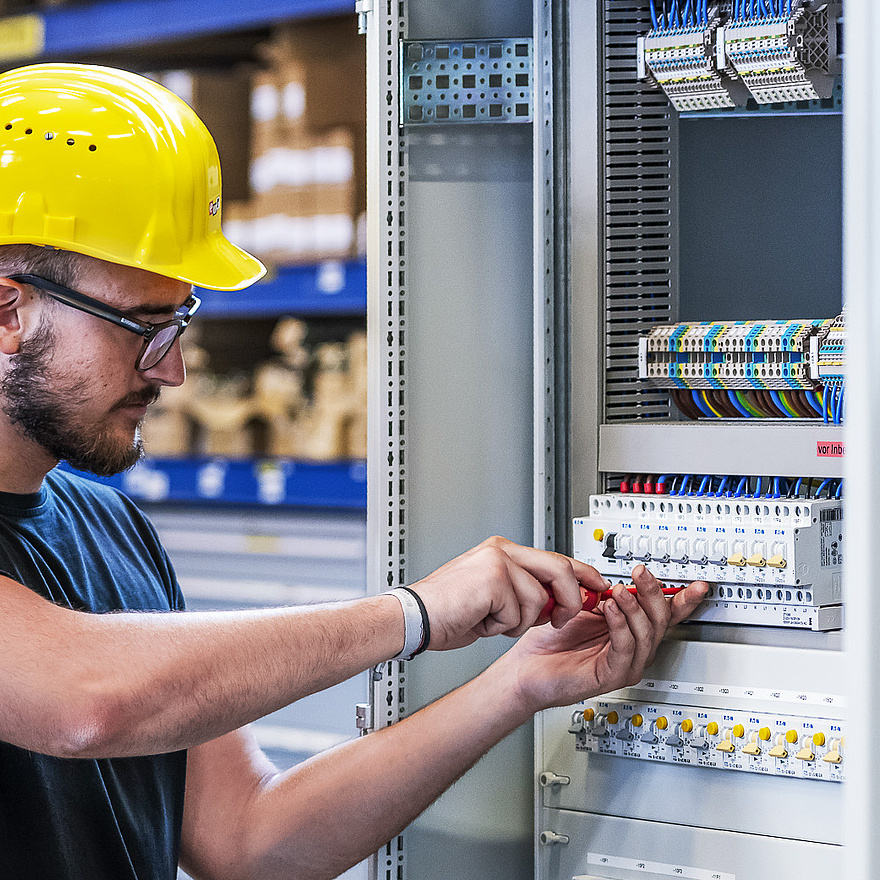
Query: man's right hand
point(501, 588)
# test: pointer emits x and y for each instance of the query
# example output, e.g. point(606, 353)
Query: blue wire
point(685, 15)
point(838, 409)
point(653, 15)
point(797, 487)
point(775, 487)
point(814, 402)
point(740, 408)
point(684, 484)
point(774, 395)
point(740, 487)
point(722, 487)
point(839, 489)
point(825, 404)
point(702, 406)
point(702, 488)
point(818, 491)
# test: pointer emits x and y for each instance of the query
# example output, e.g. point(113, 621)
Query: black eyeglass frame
point(182, 316)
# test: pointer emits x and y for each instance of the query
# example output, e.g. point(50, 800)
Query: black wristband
point(426, 625)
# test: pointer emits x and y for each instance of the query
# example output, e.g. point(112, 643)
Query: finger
point(521, 600)
point(639, 623)
point(685, 602)
point(622, 642)
point(654, 604)
point(561, 575)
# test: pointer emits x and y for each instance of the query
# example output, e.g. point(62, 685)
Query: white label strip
point(664, 870)
point(690, 688)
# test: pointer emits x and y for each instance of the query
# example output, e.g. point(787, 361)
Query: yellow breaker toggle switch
point(736, 559)
point(833, 756)
point(757, 560)
point(752, 747)
point(726, 744)
point(779, 750)
point(776, 562)
point(806, 753)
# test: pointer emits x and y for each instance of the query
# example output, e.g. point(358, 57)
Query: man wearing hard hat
point(121, 743)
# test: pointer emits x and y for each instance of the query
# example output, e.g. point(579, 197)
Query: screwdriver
point(592, 599)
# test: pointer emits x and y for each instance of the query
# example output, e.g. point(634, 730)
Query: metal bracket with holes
point(450, 81)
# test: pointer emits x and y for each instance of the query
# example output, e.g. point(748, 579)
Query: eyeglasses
point(158, 338)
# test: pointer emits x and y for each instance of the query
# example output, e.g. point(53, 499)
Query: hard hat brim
point(218, 265)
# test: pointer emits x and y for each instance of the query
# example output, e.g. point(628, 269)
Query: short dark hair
point(62, 267)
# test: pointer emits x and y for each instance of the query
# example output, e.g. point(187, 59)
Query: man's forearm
point(85, 685)
point(323, 816)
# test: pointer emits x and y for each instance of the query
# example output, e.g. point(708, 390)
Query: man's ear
point(12, 298)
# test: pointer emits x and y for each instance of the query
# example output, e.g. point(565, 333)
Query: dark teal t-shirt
point(86, 546)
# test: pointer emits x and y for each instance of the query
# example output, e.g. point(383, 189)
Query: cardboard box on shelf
point(333, 57)
point(222, 99)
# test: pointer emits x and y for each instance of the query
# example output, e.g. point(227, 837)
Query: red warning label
point(829, 449)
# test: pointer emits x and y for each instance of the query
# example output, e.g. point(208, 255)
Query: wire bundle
point(768, 403)
point(729, 486)
point(832, 404)
point(751, 9)
point(665, 14)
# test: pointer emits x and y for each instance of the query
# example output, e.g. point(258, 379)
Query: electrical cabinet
point(513, 270)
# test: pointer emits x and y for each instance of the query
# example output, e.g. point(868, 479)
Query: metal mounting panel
point(445, 81)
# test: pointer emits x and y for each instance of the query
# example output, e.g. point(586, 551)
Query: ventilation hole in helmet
point(49, 135)
point(70, 142)
point(92, 148)
point(8, 126)
point(28, 131)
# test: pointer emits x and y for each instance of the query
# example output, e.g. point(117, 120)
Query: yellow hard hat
point(107, 163)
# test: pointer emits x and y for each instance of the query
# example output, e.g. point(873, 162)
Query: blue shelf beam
point(256, 482)
point(103, 26)
point(330, 288)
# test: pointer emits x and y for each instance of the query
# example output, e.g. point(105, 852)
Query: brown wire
point(723, 405)
point(685, 404)
point(770, 406)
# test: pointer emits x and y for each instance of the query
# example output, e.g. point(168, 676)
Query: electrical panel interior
point(719, 763)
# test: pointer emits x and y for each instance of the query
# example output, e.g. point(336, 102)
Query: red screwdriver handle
point(592, 599)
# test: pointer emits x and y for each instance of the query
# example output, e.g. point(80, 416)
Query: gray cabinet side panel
point(469, 471)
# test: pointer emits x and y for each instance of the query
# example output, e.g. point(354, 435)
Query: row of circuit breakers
point(708, 57)
point(771, 549)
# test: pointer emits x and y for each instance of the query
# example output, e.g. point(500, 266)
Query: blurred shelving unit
point(327, 289)
point(88, 28)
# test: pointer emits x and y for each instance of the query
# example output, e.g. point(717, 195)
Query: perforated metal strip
point(446, 81)
point(387, 490)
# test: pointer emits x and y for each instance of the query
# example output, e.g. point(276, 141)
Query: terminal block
point(828, 353)
point(683, 61)
point(749, 369)
point(753, 741)
point(731, 354)
point(769, 562)
point(788, 57)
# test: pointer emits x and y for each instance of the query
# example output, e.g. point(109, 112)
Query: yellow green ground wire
point(791, 410)
point(747, 406)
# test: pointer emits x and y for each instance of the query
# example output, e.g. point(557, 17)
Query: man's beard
point(48, 414)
